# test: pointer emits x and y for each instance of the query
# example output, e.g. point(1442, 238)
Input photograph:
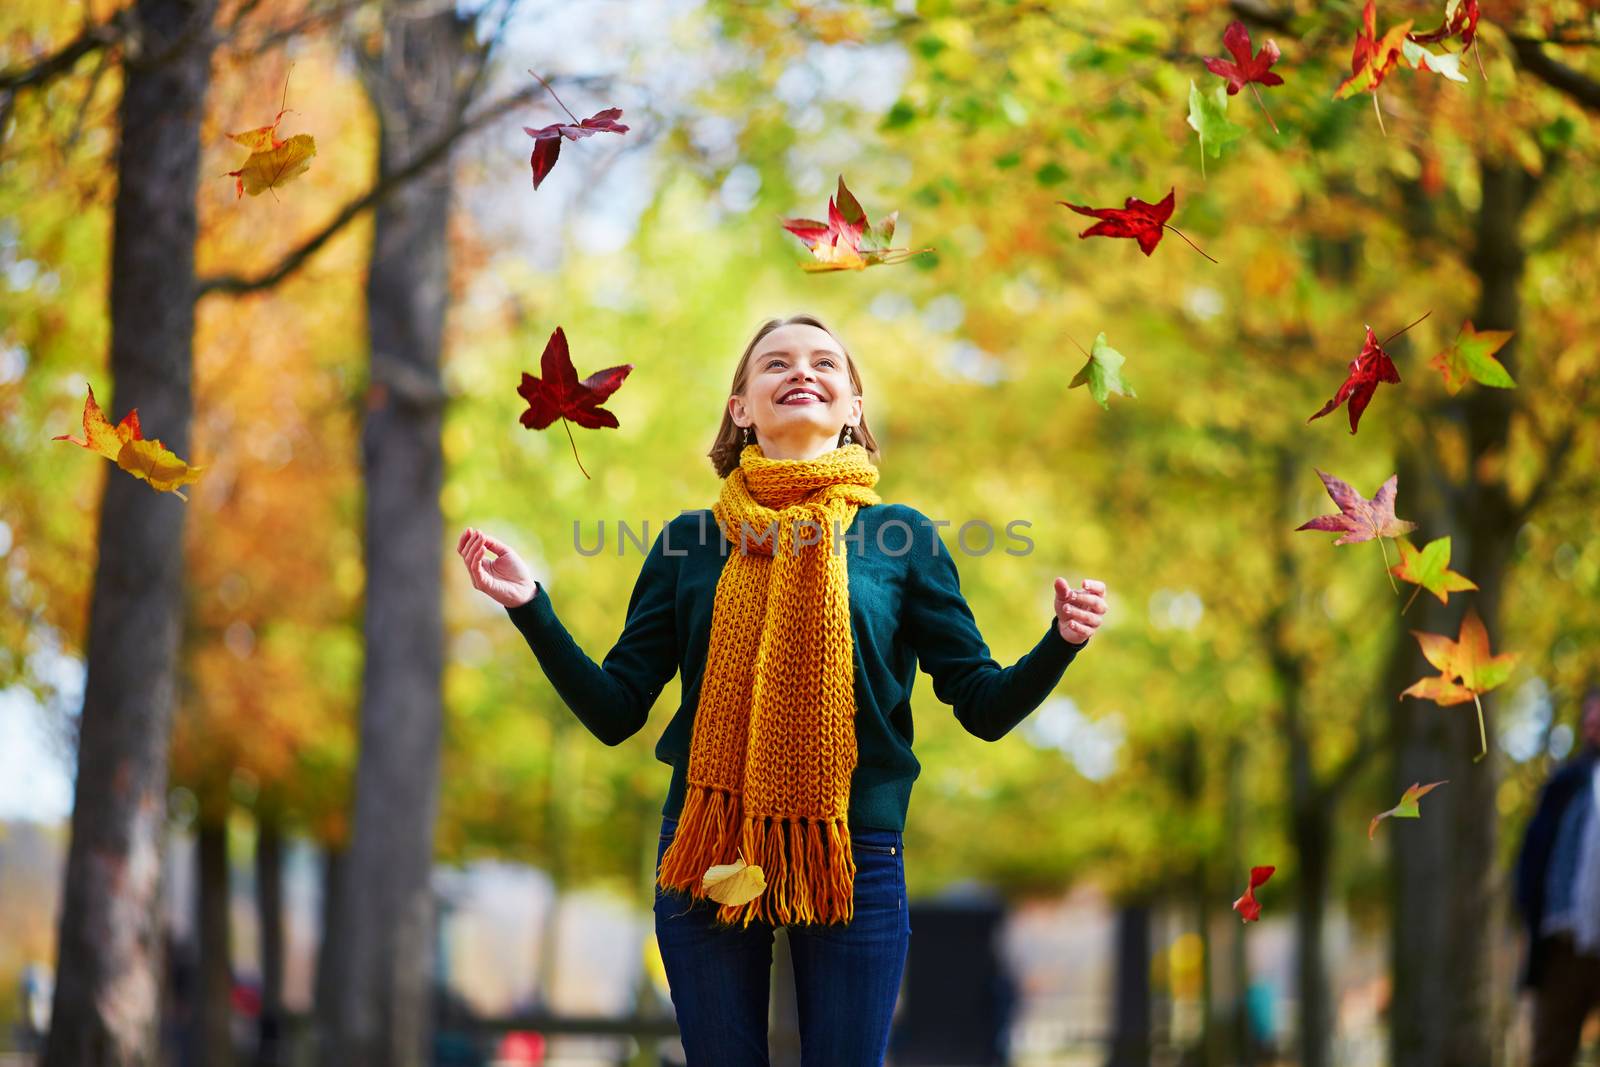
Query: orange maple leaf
point(1466, 658)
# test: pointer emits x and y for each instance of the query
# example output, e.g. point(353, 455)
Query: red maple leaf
point(1136, 219)
point(1247, 906)
point(847, 241)
point(547, 139)
point(1460, 20)
point(1369, 368)
point(1245, 68)
point(560, 395)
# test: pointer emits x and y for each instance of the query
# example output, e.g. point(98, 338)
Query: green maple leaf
point(1407, 808)
point(1103, 373)
point(1472, 356)
point(1208, 114)
point(1429, 569)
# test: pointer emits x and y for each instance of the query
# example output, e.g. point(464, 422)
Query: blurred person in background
point(1558, 894)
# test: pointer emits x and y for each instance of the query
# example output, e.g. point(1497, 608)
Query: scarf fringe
point(809, 867)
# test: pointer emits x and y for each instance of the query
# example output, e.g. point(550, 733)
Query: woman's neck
point(810, 448)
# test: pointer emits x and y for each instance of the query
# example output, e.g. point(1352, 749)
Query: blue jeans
point(846, 976)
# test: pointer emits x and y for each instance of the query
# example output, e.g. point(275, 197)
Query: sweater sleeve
point(612, 699)
point(988, 699)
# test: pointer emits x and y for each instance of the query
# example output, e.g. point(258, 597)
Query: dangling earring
point(749, 436)
point(846, 437)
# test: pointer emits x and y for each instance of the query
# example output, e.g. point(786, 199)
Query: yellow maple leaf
point(268, 168)
point(126, 446)
point(734, 883)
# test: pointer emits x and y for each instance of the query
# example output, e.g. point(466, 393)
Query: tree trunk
point(1444, 1012)
point(216, 956)
point(329, 944)
point(109, 964)
point(1311, 801)
point(269, 917)
point(1313, 840)
point(381, 1009)
point(1131, 1006)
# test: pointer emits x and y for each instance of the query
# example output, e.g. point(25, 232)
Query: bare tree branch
point(1583, 90)
point(235, 284)
point(60, 62)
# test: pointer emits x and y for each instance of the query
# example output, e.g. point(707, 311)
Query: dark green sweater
point(906, 607)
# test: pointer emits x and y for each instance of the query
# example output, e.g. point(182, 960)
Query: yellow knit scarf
point(774, 738)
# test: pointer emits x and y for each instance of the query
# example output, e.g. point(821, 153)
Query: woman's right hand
point(506, 580)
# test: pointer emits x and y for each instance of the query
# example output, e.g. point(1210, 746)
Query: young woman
point(797, 620)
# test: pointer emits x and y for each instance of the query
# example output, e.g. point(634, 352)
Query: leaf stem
point(1403, 329)
point(1477, 53)
point(564, 107)
point(1180, 233)
point(1483, 741)
point(1386, 573)
point(1411, 601)
point(568, 424)
point(1264, 110)
point(1379, 111)
point(1076, 345)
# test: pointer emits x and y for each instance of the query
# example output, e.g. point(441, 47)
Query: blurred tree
point(109, 963)
point(421, 73)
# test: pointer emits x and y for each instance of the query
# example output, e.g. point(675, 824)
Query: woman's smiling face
point(798, 385)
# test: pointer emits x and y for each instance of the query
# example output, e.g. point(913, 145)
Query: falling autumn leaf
point(1372, 59)
point(126, 446)
point(547, 139)
point(272, 162)
point(1360, 519)
point(1460, 20)
point(1466, 669)
point(1103, 373)
point(560, 395)
point(1429, 569)
point(1447, 64)
point(1367, 370)
point(847, 241)
point(1208, 115)
point(1407, 808)
point(1245, 69)
point(1247, 906)
point(1136, 219)
point(733, 883)
point(262, 137)
point(1471, 356)
point(274, 166)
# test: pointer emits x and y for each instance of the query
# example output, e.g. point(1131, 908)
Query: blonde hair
point(729, 440)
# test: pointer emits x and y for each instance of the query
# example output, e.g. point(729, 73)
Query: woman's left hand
point(1079, 612)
